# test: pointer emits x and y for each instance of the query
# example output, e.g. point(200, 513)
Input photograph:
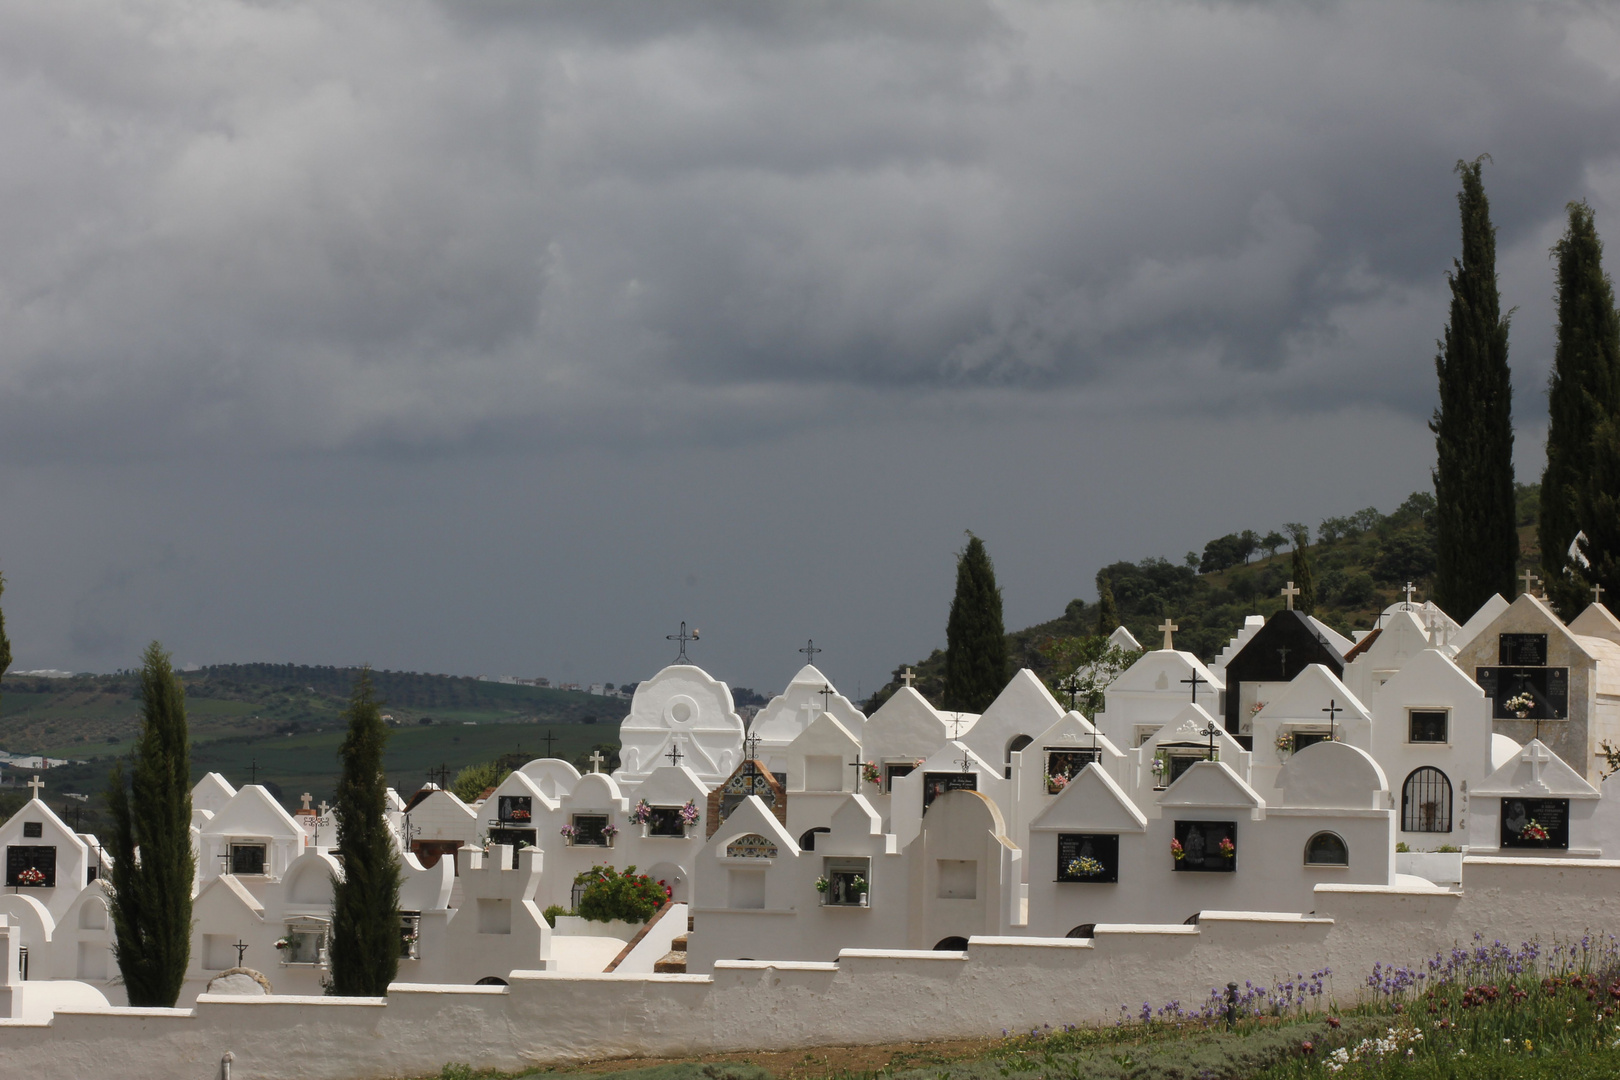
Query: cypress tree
point(365, 903)
point(975, 642)
point(1304, 581)
point(1477, 542)
point(1598, 507)
point(151, 898)
point(1107, 612)
point(1582, 391)
point(5, 642)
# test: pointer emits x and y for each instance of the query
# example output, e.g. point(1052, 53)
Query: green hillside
point(1360, 564)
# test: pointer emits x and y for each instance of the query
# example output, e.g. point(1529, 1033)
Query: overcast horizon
point(499, 338)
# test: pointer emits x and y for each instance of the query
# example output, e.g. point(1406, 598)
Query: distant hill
point(1360, 563)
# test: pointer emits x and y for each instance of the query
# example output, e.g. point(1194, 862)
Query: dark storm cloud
point(260, 246)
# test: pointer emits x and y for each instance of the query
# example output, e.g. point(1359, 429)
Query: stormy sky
point(499, 338)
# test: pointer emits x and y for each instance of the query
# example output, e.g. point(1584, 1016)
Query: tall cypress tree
point(365, 904)
point(975, 641)
point(1303, 579)
point(1583, 390)
point(1107, 610)
point(1476, 543)
point(5, 642)
point(151, 898)
point(1598, 507)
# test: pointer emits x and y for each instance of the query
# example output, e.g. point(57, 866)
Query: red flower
point(1333, 1022)
point(1308, 1047)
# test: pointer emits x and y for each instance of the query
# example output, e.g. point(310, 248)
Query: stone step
point(671, 963)
point(678, 944)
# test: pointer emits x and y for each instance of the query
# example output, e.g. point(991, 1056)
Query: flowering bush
point(1176, 850)
point(629, 896)
point(1533, 831)
point(30, 877)
point(1084, 866)
point(689, 814)
point(641, 814)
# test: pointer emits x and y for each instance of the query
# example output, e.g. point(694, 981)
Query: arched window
point(1084, 930)
point(1327, 849)
point(951, 944)
point(1426, 801)
point(807, 842)
point(1018, 743)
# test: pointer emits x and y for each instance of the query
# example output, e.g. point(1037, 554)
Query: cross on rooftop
point(1333, 709)
point(37, 784)
point(908, 675)
point(856, 765)
point(751, 746)
point(1211, 730)
point(1537, 755)
point(1409, 590)
point(826, 693)
point(675, 754)
point(1597, 594)
point(967, 761)
point(810, 651)
point(325, 809)
point(550, 738)
point(1290, 592)
point(1528, 578)
point(1072, 686)
point(596, 761)
point(1195, 681)
point(1168, 628)
point(253, 770)
point(305, 799)
point(683, 637)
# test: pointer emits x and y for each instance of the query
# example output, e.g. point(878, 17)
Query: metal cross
point(967, 762)
point(1283, 652)
point(550, 738)
point(1195, 681)
point(37, 784)
point(253, 770)
point(856, 765)
point(240, 949)
point(751, 746)
point(826, 693)
point(1409, 590)
point(683, 637)
point(1168, 628)
point(596, 761)
point(907, 676)
point(675, 754)
point(1528, 578)
point(305, 798)
point(810, 650)
point(1333, 710)
point(1290, 592)
point(1071, 686)
point(1211, 730)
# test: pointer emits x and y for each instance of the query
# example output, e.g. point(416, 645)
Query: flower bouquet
point(641, 814)
point(31, 877)
point(1533, 831)
point(689, 814)
point(870, 773)
point(1228, 849)
point(858, 885)
point(283, 944)
point(519, 815)
point(1084, 866)
point(1519, 705)
point(1176, 850)
point(1055, 784)
point(569, 833)
point(821, 885)
point(609, 831)
point(1285, 742)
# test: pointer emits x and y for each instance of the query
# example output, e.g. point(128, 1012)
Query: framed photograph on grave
point(31, 866)
point(248, 859)
point(1535, 823)
point(936, 784)
point(1088, 857)
point(1205, 847)
point(1064, 763)
point(515, 809)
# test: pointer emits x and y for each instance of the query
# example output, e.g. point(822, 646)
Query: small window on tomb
point(848, 882)
point(937, 784)
point(33, 830)
point(31, 866)
point(1535, 823)
point(823, 772)
point(666, 821)
point(304, 942)
point(410, 928)
point(958, 879)
point(1017, 744)
point(894, 771)
point(1205, 846)
point(751, 846)
point(1304, 737)
point(1327, 849)
point(247, 859)
point(590, 830)
point(1088, 857)
point(1429, 725)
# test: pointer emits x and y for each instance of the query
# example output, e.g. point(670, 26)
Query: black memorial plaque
point(1548, 688)
point(1069, 761)
point(1522, 818)
point(590, 830)
point(936, 784)
point(41, 857)
point(518, 839)
point(1522, 650)
point(1076, 851)
point(1201, 846)
point(518, 809)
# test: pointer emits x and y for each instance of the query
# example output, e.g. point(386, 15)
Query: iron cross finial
point(810, 651)
point(683, 637)
point(1195, 681)
point(826, 693)
point(1333, 710)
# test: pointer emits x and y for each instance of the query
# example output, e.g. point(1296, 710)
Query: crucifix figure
point(1283, 652)
point(675, 754)
point(1528, 578)
point(596, 761)
point(1168, 628)
point(1211, 730)
point(550, 738)
point(1409, 590)
point(907, 676)
point(826, 693)
point(1290, 592)
point(810, 651)
point(37, 784)
point(1537, 755)
point(1071, 686)
point(1195, 681)
point(305, 798)
point(683, 637)
point(240, 949)
point(1333, 710)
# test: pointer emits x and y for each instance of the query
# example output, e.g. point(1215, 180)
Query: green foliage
point(151, 907)
point(1107, 609)
point(975, 640)
point(551, 913)
point(1599, 509)
point(1091, 663)
point(5, 642)
point(1229, 550)
point(611, 895)
point(1582, 391)
point(472, 781)
point(1303, 579)
point(365, 901)
point(1477, 545)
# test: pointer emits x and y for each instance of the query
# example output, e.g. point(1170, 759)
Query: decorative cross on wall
point(1537, 756)
point(1168, 628)
point(1211, 730)
point(810, 651)
point(1072, 686)
point(596, 761)
point(675, 754)
point(826, 693)
point(1289, 593)
point(1333, 710)
point(856, 765)
point(37, 784)
point(907, 676)
point(967, 761)
point(683, 637)
point(1195, 681)
point(751, 746)
point(1409, 590)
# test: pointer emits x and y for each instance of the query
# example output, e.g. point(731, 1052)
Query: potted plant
point(283, 944)
point(1158, 771)
point(859, 887)
point(821, 886)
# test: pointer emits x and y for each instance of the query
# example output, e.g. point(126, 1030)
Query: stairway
point(674, 961)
